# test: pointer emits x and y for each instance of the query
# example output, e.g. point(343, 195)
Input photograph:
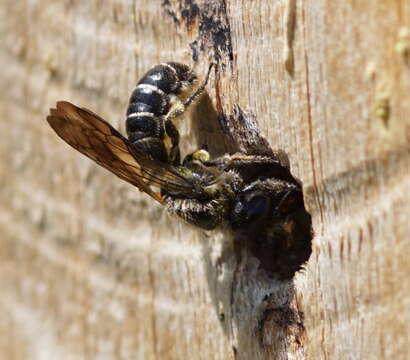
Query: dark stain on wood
point(210, 19)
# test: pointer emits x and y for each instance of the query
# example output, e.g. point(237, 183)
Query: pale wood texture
point(92, 269)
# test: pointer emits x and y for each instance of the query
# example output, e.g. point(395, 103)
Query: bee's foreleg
point(200, 90)
point(178, 106)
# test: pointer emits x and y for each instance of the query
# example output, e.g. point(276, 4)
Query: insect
point(246, 192)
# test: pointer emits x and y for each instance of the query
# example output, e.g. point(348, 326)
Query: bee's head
point(249, 209)
point(273, 225)
point(257, 204)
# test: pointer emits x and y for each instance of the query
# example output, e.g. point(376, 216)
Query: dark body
point(254, 195)
point(155, 101)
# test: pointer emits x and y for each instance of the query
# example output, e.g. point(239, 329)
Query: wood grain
point(91, 268)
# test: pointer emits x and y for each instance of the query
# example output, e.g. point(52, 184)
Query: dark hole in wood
point(280, 239)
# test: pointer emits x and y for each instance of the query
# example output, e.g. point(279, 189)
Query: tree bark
point(91, 268)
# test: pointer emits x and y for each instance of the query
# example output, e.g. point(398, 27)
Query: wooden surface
point(92, 269)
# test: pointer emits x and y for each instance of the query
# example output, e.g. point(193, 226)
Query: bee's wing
point(97, 139)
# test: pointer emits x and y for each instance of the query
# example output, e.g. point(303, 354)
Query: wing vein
point(97, 139)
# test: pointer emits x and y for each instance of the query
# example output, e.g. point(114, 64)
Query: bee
point(245, 192)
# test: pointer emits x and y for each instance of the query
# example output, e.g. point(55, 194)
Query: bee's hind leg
point(173, 134)
point(179, 107)
point(177, 110)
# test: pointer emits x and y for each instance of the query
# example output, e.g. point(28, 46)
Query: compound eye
point(248, 211)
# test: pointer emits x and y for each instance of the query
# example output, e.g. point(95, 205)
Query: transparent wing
point(97, 139)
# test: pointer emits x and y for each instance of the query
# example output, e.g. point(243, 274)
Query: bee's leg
point(179, 107)
point(205, 215)
point(282, 201)
point(220, 162)
point(200, 90)
point(172, 132)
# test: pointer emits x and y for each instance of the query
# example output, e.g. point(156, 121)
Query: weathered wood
point(91, 268)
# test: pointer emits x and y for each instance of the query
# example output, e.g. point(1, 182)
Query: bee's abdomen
point(150, 102)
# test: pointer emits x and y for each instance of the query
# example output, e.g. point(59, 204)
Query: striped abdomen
point(152, 99)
